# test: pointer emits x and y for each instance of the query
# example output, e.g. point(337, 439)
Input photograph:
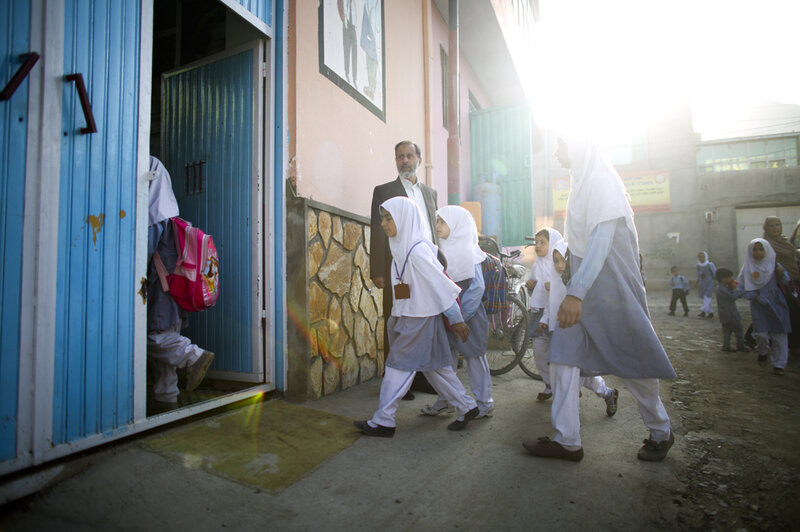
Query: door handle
point(91, 127)
point(9, 90)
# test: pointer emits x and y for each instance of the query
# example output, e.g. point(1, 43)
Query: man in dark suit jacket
point(407, 158)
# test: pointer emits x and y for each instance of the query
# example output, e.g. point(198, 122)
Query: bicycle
point(526, 361)
point(508, 329)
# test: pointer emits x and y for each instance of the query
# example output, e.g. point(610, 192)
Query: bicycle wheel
point(527, 362)
point(508, 331)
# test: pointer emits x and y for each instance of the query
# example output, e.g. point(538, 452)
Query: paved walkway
point(425, 478)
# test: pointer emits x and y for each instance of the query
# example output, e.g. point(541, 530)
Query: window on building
point(748, 154)
point(445, 87)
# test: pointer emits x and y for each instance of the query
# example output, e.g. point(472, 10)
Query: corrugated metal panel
point(500, 146)
point(93, 388)
point(208, 116)
point(15, 23)
point(260, 8)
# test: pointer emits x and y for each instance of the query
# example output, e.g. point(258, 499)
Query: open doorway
point(208, 127)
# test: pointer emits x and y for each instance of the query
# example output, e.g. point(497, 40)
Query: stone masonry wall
point(345, 326)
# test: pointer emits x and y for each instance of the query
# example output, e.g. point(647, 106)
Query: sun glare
point(609, 68)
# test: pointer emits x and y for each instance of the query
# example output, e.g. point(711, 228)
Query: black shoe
point(702, 315)
point(655, 452)
point(685, 313)
point(762, 360)
point(380, 430)
point(710, 315)
point(671, 313)
point(611, 403)
point(408, 396)
point(461, 425)
point(544, 447)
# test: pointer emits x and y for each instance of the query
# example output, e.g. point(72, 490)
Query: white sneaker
point(429, 410)
point(197, 371)
point(488, 413)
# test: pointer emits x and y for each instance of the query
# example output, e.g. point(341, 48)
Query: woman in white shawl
point(458, 240)
point(417, 336)
point(604, 324)
point(768, 308)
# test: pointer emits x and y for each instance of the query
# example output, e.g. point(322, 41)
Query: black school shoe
point(655, 451)
point(379, 431)
point(461, 425)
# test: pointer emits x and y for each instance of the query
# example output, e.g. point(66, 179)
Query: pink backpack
point(194, 284)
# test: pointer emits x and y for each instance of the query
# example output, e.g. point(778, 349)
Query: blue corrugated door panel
point(15, 37)
point(95, 285)
point(208, 116)
point(500, 148)
point(262, 9)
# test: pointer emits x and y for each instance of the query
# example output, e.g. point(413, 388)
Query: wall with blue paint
point(15, 40)
point(93, 388)
point(262, 9)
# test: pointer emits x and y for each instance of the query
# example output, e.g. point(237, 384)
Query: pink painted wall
point(342, 150)
point(440, 134)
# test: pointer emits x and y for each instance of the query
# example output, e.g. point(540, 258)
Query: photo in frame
point(352, 50)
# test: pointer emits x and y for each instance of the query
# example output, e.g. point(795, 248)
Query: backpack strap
point(161, 270)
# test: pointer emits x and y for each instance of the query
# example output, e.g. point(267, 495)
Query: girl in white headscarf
point(417, 336)
point(706, 273)
point(538, 282)
point(768, 308)
point(458, 240)
point(557, 291)
point(604, 324)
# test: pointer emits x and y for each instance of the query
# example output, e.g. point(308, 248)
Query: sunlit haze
point(607, 67)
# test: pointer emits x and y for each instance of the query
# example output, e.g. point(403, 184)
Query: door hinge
point(263, 70)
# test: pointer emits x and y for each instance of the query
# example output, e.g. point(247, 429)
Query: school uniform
point(680, 287)
point(729, 316)
point(417, 336)
point(706, 272)
point(557, 292)
point(614, 334)
point(541, 272)
point(768, 308)
point(167, 349)
point(464, 259)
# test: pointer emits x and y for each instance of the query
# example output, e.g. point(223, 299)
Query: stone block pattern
point(345, 326)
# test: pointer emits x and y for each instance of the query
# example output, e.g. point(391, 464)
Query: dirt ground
point(739, 423)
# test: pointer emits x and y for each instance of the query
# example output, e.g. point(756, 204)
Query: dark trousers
point(735, 329)
point(678, 293)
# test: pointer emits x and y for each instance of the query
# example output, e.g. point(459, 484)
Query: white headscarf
point(541, 270)
point(163, 204)
point(431, 291)
point(757, 273)
point(596, 194)
point(703, 262)
point(460, 248)
point(558, 290)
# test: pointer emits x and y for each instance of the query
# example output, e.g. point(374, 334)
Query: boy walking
point(727, 293)
point(680, 289)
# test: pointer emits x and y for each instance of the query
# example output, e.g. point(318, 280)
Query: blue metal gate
point(95, 284)
point(501, 152)
point(15, 25)
point(207, 132)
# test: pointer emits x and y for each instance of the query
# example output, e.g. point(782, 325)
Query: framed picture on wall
point(352, 51)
